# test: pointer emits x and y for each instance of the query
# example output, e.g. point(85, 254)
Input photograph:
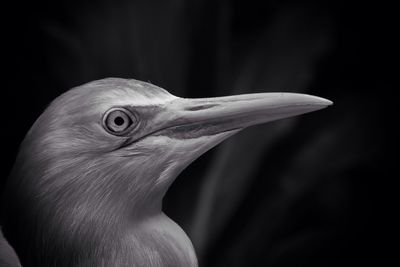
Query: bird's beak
point(210, 116)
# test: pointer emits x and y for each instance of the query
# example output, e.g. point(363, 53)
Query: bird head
point(120, 143)
point(101, 157)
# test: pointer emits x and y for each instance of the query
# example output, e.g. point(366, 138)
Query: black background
point(306, 191)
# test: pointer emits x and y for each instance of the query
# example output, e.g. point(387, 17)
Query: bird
point(90, 176)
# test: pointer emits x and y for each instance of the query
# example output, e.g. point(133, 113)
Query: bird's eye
point(118, 120)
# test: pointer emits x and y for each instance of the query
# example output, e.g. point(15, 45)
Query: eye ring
point(118, 121)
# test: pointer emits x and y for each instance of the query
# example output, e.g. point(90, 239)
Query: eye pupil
point(119, 121)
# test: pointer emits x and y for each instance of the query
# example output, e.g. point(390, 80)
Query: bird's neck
point(80, 234)
point(153, 241)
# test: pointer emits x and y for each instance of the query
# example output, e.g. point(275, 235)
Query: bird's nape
point(102, 156)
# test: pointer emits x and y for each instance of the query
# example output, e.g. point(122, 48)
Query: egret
point(90, 176)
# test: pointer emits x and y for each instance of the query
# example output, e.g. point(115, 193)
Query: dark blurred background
point(306, 191)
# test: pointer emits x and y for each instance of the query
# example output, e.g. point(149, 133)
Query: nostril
point(200, 107)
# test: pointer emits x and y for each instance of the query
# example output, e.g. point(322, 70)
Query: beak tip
point(313, 103)
point(326, 102)
point(322, 102)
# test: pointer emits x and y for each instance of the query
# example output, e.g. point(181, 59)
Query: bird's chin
point(186, 150)
point(197, 142)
